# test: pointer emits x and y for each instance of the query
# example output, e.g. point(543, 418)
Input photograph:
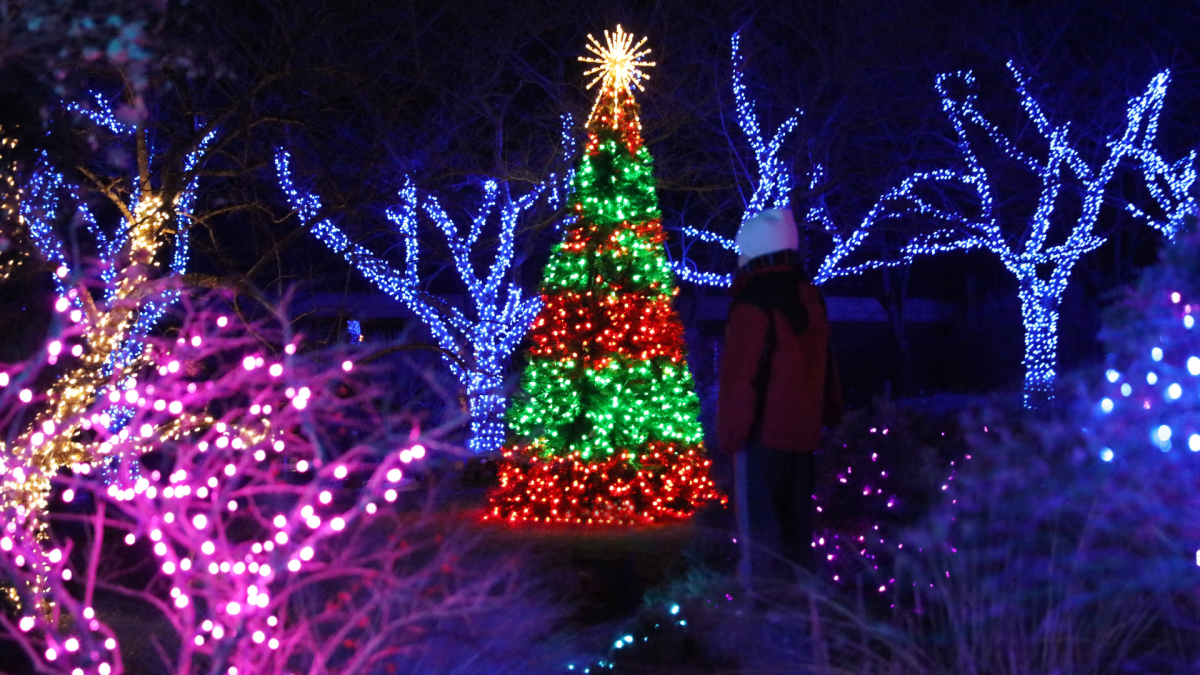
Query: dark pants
point(778, 488)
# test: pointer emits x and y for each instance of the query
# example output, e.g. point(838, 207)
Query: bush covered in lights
point(1062, 542)
point(1149, 398)
point(1042, 557)
point(1070, 541)
point(1066, 541)
point(1035, 555)
point(882, 470)
point(249, 504)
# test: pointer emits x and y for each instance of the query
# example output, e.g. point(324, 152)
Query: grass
point(1038, 558)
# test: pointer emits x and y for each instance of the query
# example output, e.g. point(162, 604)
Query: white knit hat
point(770, 231)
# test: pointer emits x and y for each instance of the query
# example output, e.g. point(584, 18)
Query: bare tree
point(476, 340)
point(1041, 248)
point(773, 185)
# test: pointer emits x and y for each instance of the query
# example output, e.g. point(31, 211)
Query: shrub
point(244, 516)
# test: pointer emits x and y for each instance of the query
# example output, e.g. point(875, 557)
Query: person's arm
point(745, 336)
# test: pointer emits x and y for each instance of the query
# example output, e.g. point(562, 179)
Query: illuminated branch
point(12, 250)
point(499, 312)
point(774, 184)
point(773, 188)
point(1042, 269)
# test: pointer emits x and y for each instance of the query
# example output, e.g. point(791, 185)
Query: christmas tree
point(606, 429)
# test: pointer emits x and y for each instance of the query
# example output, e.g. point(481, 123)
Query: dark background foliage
point(366, 93)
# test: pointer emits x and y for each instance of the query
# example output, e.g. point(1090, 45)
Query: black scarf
point(769, 282)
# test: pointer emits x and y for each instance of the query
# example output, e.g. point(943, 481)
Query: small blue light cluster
point(1167, 407)
point(627, 639)
point(684, 273)
point(101, 113)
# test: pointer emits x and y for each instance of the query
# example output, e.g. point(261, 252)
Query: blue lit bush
point(1070, 544)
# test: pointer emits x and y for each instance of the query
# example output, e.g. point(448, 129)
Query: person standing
point(778, 390)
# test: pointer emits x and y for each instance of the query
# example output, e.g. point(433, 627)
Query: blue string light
point(38, 208)
point(559, 189)
point(703, 278)
point(774, 178)
point(39, 211)
point(1149, 393)
point(1169, 186)
point(1030, 250)
point(774, 186)
point(477, 345)
point(710, 237)
point(102, 115)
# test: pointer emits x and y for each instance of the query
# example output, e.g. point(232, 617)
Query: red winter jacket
point(780, 399)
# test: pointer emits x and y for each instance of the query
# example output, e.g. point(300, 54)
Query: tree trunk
point(895, 292)
point(488, 404)
point(1039, 311)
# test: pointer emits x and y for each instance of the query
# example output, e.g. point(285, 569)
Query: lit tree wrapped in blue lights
point(1044, 247)
point(962, 205)
point(156, 209)
point(773, 187)
point(477, 343)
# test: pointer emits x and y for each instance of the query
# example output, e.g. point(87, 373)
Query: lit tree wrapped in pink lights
point(266, 559)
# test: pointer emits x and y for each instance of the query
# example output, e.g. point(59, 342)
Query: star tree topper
point(619, 66)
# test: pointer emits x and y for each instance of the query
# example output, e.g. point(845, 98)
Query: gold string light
point(8, 207)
